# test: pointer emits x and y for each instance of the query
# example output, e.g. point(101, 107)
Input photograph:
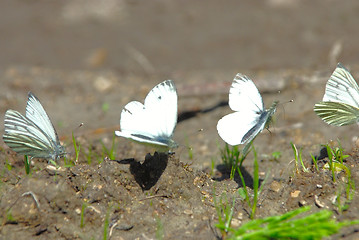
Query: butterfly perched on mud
point(32, 134)
point(250, 116)
point(153, 122)
point(340, 105)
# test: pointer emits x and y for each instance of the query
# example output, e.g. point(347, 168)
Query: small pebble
point(317, 202)
point(302, 203)
point(295, 194)
point(78, 210)
point(188, 212)
point(275, 186)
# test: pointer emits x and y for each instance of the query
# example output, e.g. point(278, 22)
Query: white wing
point(341, 87)
point(36, 113)
point(244, 95)
point(233, 127)
point(23, 136)
point(161, 102)
point(153, 122)
point(336, 113)
point(135, 124)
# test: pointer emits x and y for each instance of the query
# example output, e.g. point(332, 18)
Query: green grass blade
point(313, 226)
point(77, 149)
point(255, 183)
point(27, 164)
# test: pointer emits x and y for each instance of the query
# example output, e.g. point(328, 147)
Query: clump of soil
point(159, 196)
point(134, 197)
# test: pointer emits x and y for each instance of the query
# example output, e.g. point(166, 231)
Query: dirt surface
point(86, 59)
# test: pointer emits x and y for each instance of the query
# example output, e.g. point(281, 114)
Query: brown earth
point(85, 60)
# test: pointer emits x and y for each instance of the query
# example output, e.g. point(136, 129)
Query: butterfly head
point(270, 111)
point(273, 108)
point(172, 144)
point(59, 152)
point(167, 145)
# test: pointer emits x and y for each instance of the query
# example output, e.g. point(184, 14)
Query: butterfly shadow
point(148, 173)
point(225, 173)
point(193, 113)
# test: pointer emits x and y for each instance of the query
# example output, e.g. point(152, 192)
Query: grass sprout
point(298, 156)
point(315, 162)
point(336, 157)
point(111, 151)
point(27, 164)
point(83, 208)
point(255, 184)
point(336, 165)
point(77, 148)
point(349, 188)
point(243, 191)
point(233, 158)
point(276, 155)
point(105, 107)
point(106, 224)
point(7, 164)
point(189, 149)
point(224, 211)
point(289, 226)
point(213, 165)
point(159, 230)
point(9, 217)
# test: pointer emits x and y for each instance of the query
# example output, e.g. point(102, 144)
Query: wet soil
point(85, 60)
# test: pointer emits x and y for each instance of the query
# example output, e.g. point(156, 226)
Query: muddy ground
point(86, 59)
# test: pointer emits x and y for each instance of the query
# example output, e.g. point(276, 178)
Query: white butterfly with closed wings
point(249, 118)
point(153, 122)
point(32, 134)
point(340, 105)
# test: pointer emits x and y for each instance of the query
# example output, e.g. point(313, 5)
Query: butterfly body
point(265, 118)
point(153, 122)
point(249, 118)
point(32, 134)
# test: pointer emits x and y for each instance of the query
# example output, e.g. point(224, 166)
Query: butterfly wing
point(161, 102)
point(249, 119)
point(23, 136)
point(341, 87)
point(133, 117)
point(336, 113)
point(239, 128)
point(154, 121)
point(36, 113)
point(244, 95)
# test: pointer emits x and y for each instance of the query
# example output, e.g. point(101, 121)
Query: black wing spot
point(128, 111)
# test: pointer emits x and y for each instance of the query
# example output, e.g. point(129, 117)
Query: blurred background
point(173, 36)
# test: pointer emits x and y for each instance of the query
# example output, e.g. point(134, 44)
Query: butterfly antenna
point(81, 124)
point(190, 135)
point(76, 128)
point(282, 105)
point(73, 139)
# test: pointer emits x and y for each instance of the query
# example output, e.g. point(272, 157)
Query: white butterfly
point(249, 118)
point(154, 121)
point(32, 134)
point(340, 105)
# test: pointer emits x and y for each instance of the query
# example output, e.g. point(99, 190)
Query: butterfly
point(32, 134)
point(249, 118)
point(340, 105)
point(153, 122)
